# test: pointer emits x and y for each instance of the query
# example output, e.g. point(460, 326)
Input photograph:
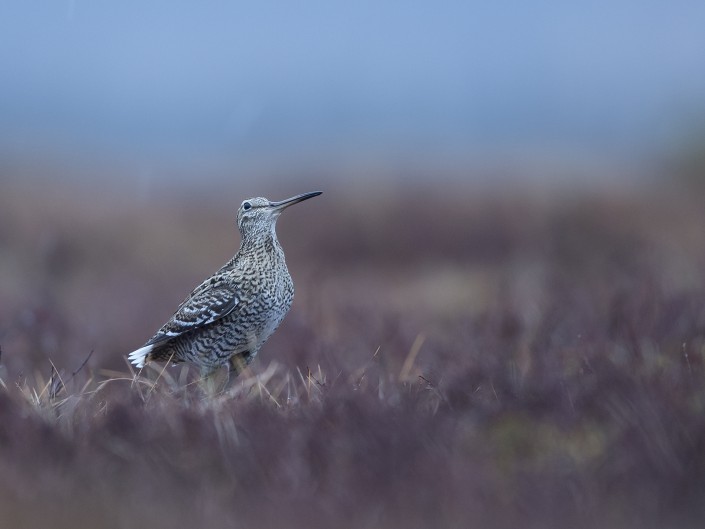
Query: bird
point(226, 319)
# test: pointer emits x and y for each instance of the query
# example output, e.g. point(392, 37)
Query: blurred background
point(129, 133)
point(511, 232)
point(176, 91)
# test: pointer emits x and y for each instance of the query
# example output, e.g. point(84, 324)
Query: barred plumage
point(228, 317)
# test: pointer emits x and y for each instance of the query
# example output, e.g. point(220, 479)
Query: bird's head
point(259, 215)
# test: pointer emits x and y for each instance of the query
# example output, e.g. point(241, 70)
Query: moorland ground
point(453, 359)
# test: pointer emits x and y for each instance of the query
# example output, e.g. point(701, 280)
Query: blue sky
point(176, 78)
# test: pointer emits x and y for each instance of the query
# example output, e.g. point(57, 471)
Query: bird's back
point(256, 290)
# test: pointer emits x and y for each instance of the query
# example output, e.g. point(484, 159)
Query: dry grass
point(450, 361)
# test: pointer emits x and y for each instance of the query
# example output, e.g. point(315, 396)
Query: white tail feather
point(139, 356)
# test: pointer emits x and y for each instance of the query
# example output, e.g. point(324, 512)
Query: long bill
point(282, 204)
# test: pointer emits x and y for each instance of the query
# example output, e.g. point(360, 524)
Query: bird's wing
point(203, 306)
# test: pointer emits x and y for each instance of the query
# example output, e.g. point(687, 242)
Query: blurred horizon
point(272, 86)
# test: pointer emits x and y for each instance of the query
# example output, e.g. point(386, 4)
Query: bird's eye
point(246, 206)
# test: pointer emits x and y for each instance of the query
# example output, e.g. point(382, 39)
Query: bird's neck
point(264, 241)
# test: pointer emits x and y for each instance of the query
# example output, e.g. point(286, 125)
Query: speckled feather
point(230, 315)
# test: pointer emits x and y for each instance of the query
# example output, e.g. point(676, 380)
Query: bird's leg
point(237, 363)
point(214, 380)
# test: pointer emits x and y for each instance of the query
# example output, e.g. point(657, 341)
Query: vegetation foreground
point(449, 362)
